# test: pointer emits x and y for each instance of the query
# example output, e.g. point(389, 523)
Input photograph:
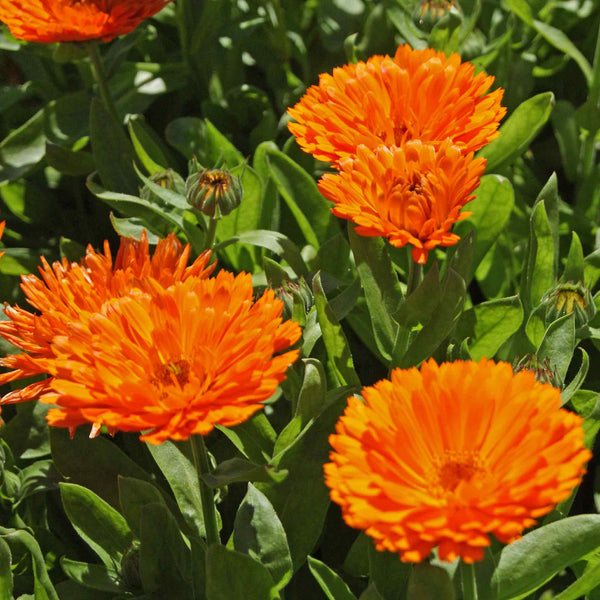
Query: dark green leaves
point(101, 526)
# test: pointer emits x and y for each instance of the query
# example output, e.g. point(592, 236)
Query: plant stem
point(209, 241)
point(415, 275)
point(101, 80)
point(467, 576)
point(202, 464)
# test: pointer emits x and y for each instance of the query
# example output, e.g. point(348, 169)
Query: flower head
point(173, 361)
point(447, 455)
point(66, 293)
point(419, 94)
point(50, 21)
point(411, 194)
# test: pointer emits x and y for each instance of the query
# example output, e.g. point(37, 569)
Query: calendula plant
point(339, 339)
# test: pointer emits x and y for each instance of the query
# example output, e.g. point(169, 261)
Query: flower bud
point(567, 298)
point(215, 192)
point(297, 299)
point(542, 369)
point(169, 179)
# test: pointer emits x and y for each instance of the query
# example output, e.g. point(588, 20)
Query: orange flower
point(2, 224)
point(71, 292)
point(447, 455)
point(173, 361)
point(75, 20)
point(410, 194)
point(420, 94)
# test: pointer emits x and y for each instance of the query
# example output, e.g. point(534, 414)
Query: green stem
point(101, 80)
point(202, 464)
point(467, 575)
point(209, 241)
point(415, 275)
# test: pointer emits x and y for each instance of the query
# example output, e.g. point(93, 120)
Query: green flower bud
point(169, 179)
point(215, 192)
point(543, 370)
point(297, 299)
point(567, 298)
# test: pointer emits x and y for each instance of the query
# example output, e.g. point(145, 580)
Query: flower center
point(178, 370)
point(455, 467)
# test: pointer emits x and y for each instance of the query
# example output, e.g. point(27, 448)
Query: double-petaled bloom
point(401, 134)
point(147, 343)
point(419, 94)
point(410, 194)
point(50, 21)
point(448, 455)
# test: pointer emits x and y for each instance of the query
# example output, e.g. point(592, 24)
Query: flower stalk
point(467, 577)
point(202, 464)
point(101, 80)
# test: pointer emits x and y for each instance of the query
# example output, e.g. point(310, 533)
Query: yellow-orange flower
point(411, 194)
point(69, 292)
point(419, 94)
point(447, 455)
point(2, 224)
point(173, 361)
point(75, 20)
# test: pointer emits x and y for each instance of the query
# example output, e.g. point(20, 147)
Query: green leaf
point(336, 344)
point(566, 131)
point(147, 145)
point(419, 306)
point(97, 523)
point(578, 380)
point(388, 573)
point(183, 479)
point(371, 593)
point(331, 583)
point(561, 42)
point(491, 210)
point(113, 153)
point(254, 438)
point(94, 464)
point(525, 565)
point(69, 162)
point(574, 266)
point(381, 287)
point(441, 323)
point(558, 344)
point(236, 470)
point(165, 560)
point(274, 241)
point(6, 578)
point(518, 131)
point(134, 494)
point(200, 138)
point(490, 324)
point(43, 588)
point(539, 275)
point(300, 193)
point(301, 499)
point(429, 582)
point(588, 582)
point(96, 577)
point(258, 532)
point(232, 575)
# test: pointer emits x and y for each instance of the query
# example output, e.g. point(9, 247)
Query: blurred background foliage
point(208, 83)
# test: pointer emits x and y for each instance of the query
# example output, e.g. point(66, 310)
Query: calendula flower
point(75, 20)
point(447, 455)
point(174, 361)
point(67, 293)
point(411, 194)
point(419, 94)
